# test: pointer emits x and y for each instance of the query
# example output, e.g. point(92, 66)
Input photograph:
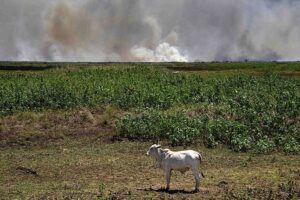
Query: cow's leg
point(168, 178)
point(197, 179)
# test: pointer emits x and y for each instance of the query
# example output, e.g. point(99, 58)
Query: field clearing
point(76, 169)
point(81, 130)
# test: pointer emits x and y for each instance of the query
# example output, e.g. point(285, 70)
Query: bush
point(154, 125)
point(264, 145)
point(242, 112)
point(182, 130)
point(291, 146)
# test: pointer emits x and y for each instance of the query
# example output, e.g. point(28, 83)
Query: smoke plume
point(155, 31)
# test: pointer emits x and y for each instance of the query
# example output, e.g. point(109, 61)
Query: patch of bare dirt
point(42, 128)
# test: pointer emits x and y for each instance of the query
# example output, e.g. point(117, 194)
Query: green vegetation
point(75, 130)
point(259, 113)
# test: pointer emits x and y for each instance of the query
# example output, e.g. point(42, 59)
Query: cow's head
point(153, 150)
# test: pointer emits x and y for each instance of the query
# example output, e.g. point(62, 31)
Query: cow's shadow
point(163, 190)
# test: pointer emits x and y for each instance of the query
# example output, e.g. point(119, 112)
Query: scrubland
point(81, 130)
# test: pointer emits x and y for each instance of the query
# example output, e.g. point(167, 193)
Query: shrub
point(243, 112)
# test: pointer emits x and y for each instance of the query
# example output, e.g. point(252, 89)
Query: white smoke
point(155, 31)
point(163, 53)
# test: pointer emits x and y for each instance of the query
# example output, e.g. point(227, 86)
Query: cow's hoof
point(196, 191)
point(167, 189)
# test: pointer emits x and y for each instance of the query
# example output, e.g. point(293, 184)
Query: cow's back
point(182, 159)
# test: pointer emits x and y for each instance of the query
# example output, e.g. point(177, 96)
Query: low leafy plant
point(243, 112)
point(101, 191)
point(264, 145)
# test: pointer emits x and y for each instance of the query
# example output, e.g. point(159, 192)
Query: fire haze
point(155, 31)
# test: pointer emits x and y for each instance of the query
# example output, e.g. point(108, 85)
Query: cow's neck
point(161, 154)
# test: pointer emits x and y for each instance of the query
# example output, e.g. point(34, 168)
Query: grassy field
point(81, 130)
point(93, 170)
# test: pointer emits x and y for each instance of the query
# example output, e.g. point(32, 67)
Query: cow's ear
point(165, 150)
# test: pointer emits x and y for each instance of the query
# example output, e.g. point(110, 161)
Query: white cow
point(181, 161)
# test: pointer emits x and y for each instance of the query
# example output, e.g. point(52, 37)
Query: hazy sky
point(149, 30)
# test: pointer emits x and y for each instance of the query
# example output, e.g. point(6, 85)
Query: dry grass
point(29, 128)
point(75, 157)
point(235, 72)
point(75, 169)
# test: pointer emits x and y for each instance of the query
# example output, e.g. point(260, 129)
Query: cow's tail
point(201, 160)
